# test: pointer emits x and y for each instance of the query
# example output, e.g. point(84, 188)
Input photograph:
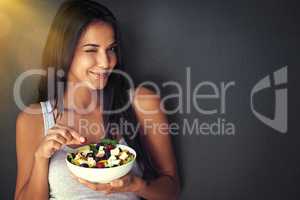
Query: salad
point(105, 154)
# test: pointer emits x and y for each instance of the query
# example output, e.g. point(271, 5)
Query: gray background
point(241, 41)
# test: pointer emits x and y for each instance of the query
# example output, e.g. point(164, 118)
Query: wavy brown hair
point(69, 23)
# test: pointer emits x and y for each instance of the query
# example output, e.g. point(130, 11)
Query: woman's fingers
point(108, 188)
point(95, 186)
point(57, 137)
point(58, 133)
point(78, 139)
point(117, 183)
point(121, 182)
point(55, 144)
point(67, 135)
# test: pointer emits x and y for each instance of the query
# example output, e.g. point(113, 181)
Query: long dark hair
point(70, 21)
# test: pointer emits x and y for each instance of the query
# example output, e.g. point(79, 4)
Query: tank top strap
point(47, 115)
point(131, 95)
point(49, 121)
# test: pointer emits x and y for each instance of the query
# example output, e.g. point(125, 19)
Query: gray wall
point(240, 41)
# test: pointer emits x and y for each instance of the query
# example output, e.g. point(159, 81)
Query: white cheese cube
point(81, 161)
point(116, 162)
point(100, 154)
point(123, 156)
point(78, 156)
point(112, 157)
point(91, 162)
point(108, 164)
point(115, 151)
point(101, 148)
point(110, 160)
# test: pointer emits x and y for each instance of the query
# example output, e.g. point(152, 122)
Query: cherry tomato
point(100, 165)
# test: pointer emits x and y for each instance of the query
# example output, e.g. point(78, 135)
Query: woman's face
point(94, 56)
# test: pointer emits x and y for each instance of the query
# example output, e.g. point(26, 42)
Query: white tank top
point(61, 185)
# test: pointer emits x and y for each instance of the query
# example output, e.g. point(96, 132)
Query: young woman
point(83, 48)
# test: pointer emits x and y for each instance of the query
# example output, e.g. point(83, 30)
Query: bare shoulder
point(30, 115)
point(143, 91)
point(145, 102)
point(29, 134)
point(30, 122)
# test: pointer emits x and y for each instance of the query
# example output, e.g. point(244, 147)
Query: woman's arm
point(34, 151)
point(157, 141)
point(32, 175)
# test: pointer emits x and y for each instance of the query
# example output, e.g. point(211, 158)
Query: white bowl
point(103, 175)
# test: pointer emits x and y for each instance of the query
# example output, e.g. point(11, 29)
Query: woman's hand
point(127, 183)
point(56, 137)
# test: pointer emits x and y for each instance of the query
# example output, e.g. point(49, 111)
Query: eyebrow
point(96, 45)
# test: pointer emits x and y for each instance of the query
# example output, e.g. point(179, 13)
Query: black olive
point(97, 159)
point(107, 154)
point(69, 158)
point(90, 155)
point(84, 165)
point(98, 146)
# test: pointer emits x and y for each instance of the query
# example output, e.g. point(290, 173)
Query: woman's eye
point(90, 50)
point(113, 49)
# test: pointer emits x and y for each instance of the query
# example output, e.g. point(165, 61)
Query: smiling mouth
point(98, 75)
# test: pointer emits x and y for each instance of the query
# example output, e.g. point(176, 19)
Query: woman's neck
point(81, 99)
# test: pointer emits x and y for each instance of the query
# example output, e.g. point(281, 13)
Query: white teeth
point(99, 74)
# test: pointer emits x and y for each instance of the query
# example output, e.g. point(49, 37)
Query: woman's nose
point(103, 60)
